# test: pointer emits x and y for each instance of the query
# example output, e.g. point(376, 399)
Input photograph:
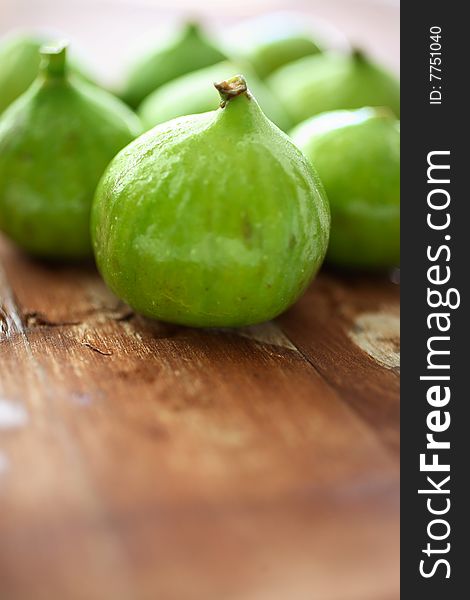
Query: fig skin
point(55, 143)
point(188, 51)
point(194, 93)
point(332, 81)
point(211, 220)
point(357, 156)
point(19, 66)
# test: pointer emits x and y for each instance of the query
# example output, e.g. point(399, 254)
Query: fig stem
point(359, 55)
point(231, 88)
point(54, 59)
point(192, 28)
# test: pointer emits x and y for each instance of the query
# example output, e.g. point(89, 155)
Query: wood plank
point(160, 461)
point(348, 328)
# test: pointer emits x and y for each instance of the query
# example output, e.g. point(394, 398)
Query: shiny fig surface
point(214, 219)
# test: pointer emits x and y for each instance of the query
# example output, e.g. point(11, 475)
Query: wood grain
point(154, 461)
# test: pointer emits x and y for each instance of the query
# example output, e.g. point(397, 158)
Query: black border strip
point(426, 128)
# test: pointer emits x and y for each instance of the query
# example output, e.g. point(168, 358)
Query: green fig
point(194, 93)
point(19, 66)
point(189, 51)
point(357, 155)
point(215, 219)
point(271, 41)
point(55, 142)
point(333, 81)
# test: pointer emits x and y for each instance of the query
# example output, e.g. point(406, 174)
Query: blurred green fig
point(19, 66)
point(190, 49)
point(215, 219)
point(55, 142)
point(333, 81)
point(357, 155)
point(272, 40)
point(194, 93)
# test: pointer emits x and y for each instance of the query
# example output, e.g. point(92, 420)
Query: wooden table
point(144, 461)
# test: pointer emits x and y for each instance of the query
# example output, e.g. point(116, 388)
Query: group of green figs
point(212, 185)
